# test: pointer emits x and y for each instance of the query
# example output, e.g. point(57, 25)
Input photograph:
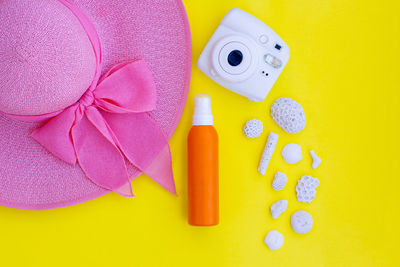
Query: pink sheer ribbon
point(110, 125)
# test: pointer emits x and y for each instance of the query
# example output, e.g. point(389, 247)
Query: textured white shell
point(280, 181)
point(306, 188)
point(291, 153)
point(274, 240)
point(253, 128)
point(278, 208)
point(302, 222)
point(288, 114)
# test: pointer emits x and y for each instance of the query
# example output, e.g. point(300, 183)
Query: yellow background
point(344, 71)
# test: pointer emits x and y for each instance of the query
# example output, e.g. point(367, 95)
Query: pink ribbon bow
point(110, 125)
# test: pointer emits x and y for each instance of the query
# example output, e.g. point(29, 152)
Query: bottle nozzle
point(202, 110)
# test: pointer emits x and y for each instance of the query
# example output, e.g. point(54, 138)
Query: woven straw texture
point(156, 31)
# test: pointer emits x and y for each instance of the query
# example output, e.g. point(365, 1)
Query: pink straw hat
point(90, 93)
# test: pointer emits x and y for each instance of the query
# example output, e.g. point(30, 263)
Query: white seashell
point(291, 153)
point(302, 222)
point(253, 128)
point(268, 151)
point(316, 159)
point(280, 181)
point(278, 208)
point(306, 188)
point(274, 240)
point(288, 114)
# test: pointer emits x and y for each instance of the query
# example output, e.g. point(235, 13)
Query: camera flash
point(273, 61)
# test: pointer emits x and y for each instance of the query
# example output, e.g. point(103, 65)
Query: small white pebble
point(302, 222)
point(291, 153)
point(253, 128)
point(274, 240)
point(268, 151)
point(316, 159)
point(280, 181)
point(278, 208)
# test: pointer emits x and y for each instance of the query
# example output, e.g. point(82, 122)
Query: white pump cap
point(202, 110)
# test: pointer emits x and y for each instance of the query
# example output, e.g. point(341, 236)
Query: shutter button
point(263, 39)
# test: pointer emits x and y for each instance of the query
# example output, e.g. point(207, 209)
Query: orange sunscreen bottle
point(203, 166)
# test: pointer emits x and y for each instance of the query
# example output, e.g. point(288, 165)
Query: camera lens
point(235, 58)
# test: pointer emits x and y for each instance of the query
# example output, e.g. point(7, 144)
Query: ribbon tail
point(160, 170)
point(144, 145)
point(55, 135)
point(98, 156)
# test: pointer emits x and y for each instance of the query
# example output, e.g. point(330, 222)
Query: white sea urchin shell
point(274, 240)
point(306, 188)
point(253, 128)
point(288, 114)
point(301, 221)
point(280, 181)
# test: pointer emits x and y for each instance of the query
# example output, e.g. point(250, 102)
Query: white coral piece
point(274, 240)
point(316, 159)
point(280, 181)
point(301, 221)
point(306, 188)
point(253, 128)
point(288, 114)
point(278, 208)
point(268, 152)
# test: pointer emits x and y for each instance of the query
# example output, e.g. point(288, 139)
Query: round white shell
point(302, 222)
point(291, 153)
point(288, 114)
point(278, 208)
point(306, 188)
point(253, 128)
point(280, 181)
point(274, 240)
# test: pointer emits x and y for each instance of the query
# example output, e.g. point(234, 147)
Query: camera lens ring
point(241, 61)
point(220, 53)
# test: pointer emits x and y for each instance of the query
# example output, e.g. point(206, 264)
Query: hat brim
point(156, 31)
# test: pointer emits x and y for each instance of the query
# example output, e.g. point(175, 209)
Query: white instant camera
point(244, 55)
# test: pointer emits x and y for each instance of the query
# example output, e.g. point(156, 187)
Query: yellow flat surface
point(344, 71)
